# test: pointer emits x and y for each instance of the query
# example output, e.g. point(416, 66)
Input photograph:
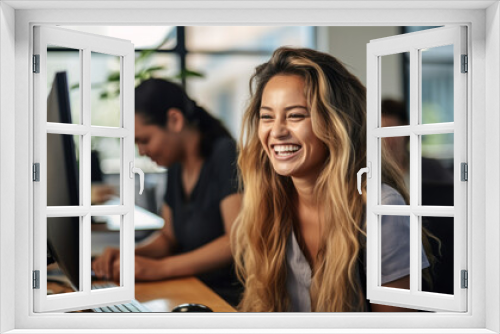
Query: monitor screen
point(63, 233)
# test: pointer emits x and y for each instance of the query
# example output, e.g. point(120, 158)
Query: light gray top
point(395, 255)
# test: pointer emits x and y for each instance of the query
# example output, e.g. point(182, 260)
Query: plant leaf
point(189, 73)
point(114, 76)
point(154, 68)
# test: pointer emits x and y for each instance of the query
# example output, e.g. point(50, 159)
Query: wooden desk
point(163, 296)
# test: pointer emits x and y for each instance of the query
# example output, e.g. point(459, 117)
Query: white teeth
point(286, 149)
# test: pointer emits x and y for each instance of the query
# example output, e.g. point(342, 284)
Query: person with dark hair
point(202, 198)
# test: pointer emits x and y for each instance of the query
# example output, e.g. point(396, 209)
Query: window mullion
point(414, 246)
point(85, 174)
point(406, 210)
point(415, 173)
point(422, 129)
point(127, 179)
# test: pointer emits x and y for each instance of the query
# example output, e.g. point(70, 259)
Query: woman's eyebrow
point(286, 108)
point(296, 107)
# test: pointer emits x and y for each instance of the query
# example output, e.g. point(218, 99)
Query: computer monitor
point(63, 233)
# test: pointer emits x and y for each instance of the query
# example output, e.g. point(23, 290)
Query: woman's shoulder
point(391, 196)
point(224, 148)
point(223, 144)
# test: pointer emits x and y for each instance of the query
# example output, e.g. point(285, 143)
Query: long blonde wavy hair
point(337, 103)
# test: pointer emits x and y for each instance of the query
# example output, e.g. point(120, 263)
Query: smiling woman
point(299, 242)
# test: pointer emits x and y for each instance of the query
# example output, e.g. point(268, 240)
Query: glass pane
point(437, 169)
point(395, 248)
point(394, 89)
point(63, 82)
point(105, 94)
point(395, 165)
point(63, 255)
point(145, 37)
point(63, 177)
point(249, 38)
point(223, 90)
point(437, 239)
point(437, 84)
point(105, 235)
point(105, 170)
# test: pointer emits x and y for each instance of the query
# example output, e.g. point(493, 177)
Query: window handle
point(368, 171)
point(139, 171)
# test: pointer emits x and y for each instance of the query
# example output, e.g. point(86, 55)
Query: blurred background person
point(436, 189)
point(394, 114)
point(201, 201)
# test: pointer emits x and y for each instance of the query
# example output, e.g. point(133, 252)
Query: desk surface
point(163, 296)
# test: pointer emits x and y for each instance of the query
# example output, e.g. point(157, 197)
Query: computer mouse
point(191, 308)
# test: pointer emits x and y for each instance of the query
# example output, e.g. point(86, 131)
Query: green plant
point(143, 71)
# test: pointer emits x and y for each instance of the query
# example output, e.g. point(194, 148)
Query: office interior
point(214, 65)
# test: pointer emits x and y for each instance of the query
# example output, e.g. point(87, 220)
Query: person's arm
point(402, 283)
point(213, 255)
point(158, 245)
point(161, 243)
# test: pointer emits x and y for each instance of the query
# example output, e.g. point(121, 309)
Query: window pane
point(437, 169)
point(223, 90)
point(63, 258)
point(394, 107)
point(146, 37)
point(437, 84)
point(247, 38)
point(63, 82)
point(106, 234)
point(395, 248)
point(105, 170)
point(63, 178)
point(395, 163)
point(439, 277)
point(105, 93)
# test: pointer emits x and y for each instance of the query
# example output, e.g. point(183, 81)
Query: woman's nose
point(279, 129)
point(141, 150)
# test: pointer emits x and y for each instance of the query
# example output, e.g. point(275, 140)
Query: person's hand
point(100, 193)
point(107, 266)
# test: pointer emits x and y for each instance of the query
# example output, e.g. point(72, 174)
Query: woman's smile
point(285, 151)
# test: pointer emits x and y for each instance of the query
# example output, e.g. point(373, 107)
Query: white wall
point(492, 157)
point(7, 160)
point(243, 17)
point(348, 44)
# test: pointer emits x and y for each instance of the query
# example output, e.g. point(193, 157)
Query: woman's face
point(285, 129)
point(158, 143)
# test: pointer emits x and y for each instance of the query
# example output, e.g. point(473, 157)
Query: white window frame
point(45, 36)
point(484, 103)
point(413, 43)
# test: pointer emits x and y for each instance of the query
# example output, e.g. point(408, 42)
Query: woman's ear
point(175, 120)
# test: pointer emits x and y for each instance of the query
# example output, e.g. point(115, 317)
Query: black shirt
point(197, 219)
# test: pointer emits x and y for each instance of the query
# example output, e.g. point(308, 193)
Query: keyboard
point(133, 306)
